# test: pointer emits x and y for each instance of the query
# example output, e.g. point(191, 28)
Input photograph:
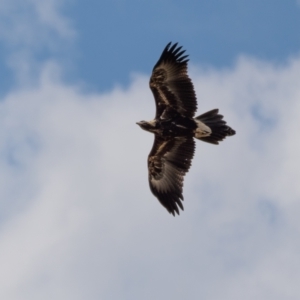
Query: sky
point(77, 218)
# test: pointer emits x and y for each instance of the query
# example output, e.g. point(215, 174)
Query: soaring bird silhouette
point(175, 127)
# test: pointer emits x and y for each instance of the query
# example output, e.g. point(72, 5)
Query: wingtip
point(167, 47)
point(173, 53)
point(231, 131)
point(175, 213)
point(175, 209)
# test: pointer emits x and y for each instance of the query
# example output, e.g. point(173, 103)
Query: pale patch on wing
point(171, 85)
point(172, 174)
point(159, 79)
point(169, 179)
point(168, 162)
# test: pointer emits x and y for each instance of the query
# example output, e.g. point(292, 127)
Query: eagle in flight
point(175, 127)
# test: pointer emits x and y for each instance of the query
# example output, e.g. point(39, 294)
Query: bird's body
point(175, 127)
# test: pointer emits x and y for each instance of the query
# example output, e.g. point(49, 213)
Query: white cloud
point(30, 29)
point(78, 220)
point(33, 23)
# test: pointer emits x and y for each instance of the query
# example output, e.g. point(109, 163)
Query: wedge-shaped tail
point(219, 129)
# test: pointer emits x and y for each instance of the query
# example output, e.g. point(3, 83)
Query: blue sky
point(115, 38)
point(214, 32)
point(77, 218)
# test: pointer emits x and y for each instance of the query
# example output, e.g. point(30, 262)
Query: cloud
point(78, 220)
point(34, 24)
point(31, 33)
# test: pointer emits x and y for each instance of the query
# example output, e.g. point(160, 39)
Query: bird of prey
point(175, 127)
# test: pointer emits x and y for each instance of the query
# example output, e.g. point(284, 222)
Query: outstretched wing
point(172, 88)
point(168, 162)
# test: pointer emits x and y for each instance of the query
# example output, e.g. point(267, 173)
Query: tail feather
point(218, 126)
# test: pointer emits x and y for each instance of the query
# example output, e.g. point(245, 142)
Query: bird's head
point(148, 126)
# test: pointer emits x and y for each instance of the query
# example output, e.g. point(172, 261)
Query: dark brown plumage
point(175, 127)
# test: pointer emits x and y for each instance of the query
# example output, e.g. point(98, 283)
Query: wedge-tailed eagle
point(175, 127)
